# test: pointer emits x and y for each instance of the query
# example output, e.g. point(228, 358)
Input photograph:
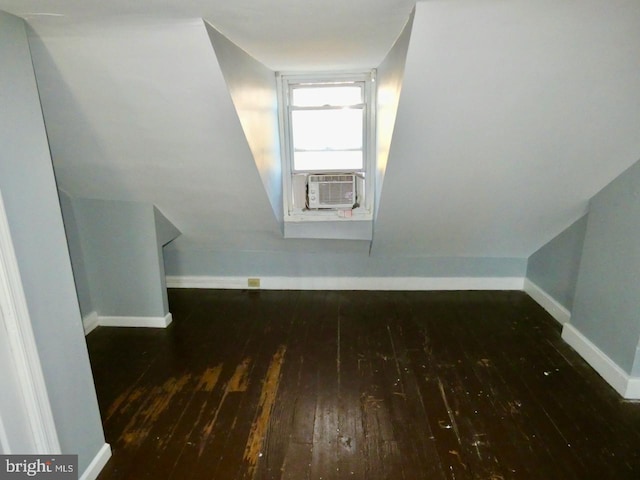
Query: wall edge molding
point(126, 321)
point(349, 283)
point(546, 301)
point(98, 463)
point(623, 383)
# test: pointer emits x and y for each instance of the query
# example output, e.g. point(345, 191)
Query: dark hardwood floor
point(357, 385)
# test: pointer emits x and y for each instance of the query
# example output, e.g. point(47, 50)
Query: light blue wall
point(165, 233)
point(123, 256)
point(220, 263)
point(554, 267)
point(31, 199)
point(165, 230)
point(77, 256)
point(607, 304)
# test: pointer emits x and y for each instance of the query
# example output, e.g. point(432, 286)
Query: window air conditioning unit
point(331, 191)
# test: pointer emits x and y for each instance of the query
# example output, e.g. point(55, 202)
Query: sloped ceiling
point(283, 34)
point(142, 113)
point(137, 107)
point(512, 114)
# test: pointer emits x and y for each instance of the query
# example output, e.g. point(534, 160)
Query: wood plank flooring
point(357, 385)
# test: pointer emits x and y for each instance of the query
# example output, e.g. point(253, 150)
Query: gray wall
point(122, 253)
point(33, 210)
point(554, 267)
point(607, 304)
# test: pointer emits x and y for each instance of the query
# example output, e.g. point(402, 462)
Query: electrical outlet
point(253, 283)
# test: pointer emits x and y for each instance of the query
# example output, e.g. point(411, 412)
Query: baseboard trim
point(546, 301)
point(623, 383)
point(150, 322)
point(350, 283)
point(633, 388)
point(90, 322)
point(98, 463)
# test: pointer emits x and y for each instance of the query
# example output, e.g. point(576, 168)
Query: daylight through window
point(327, 126)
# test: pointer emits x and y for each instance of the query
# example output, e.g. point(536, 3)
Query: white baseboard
point(623, 383)
point(201, 281)
point(98, 463)
point(633, 388)
point(90, 322)
point(152, 322)
point(546, 301)
point(350, 283)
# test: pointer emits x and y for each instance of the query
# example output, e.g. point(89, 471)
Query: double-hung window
point(327, 124)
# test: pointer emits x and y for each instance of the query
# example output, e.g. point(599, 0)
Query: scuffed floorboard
point(357, 385)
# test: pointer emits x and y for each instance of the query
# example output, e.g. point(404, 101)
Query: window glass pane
point(314, 161)
point(327, 129)
point(343, 95)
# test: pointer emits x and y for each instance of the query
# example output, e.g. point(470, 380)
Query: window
point(327, 136)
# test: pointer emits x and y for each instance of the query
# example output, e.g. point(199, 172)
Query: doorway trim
point(17, 323)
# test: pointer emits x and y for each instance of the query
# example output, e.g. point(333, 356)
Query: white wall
point(252, 87)
point(390, 75)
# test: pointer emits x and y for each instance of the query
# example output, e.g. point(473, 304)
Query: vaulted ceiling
point(512, 114)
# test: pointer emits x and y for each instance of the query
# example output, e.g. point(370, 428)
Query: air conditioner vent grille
point(330, 178)
point(332, 191)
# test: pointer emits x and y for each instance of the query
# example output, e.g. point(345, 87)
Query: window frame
point(286, 83)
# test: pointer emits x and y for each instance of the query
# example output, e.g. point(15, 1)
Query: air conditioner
point(331, 191)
